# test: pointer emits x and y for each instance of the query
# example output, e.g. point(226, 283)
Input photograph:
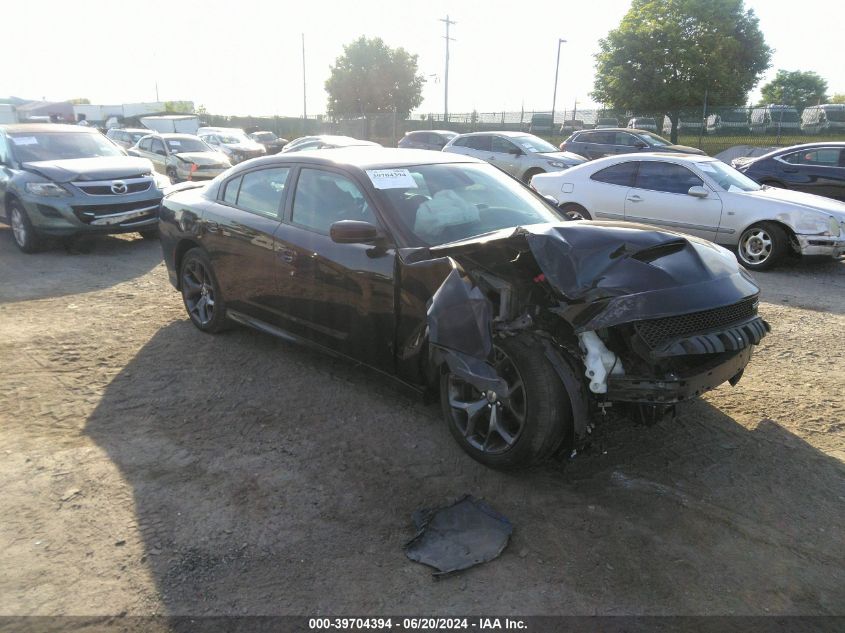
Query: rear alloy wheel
point(762, 246)
point(25, 236)
point(574, 211)
point(516, 429)
point(201, 292)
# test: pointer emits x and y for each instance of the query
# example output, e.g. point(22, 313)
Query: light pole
point(557, 68)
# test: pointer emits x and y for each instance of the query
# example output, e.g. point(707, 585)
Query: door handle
point(635, 198)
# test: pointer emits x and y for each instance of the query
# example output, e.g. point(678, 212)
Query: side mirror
point(516, 151)
point(353, 232)
point(640, 145)
point(698, 192)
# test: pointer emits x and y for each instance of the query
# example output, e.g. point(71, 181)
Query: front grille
point(105, 190)
point(656, 332)
point(88, 212)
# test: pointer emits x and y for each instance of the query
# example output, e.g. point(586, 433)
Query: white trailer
point(182, 123)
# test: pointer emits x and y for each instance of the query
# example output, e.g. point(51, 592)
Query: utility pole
point(446, 74)
point(557, 68)
point(156, 90)
point(304, 101)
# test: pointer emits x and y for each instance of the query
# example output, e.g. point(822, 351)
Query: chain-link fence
point(712, 129)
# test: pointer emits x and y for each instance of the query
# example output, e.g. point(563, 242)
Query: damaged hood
point(608, 273)
point(99, 168)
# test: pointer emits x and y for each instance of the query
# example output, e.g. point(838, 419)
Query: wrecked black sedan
point(452, 277)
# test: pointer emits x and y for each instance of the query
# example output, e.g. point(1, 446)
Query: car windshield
point(836, 115)
point(728, 178)
point(264, 136)
point(37, 146)
point(231, 139)
point(177, 145)
point(444, 203)
point(534, 144)
point(653, 140)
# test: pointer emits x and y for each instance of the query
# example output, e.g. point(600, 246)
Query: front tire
point(528, 175)
point(201, 292)
point(24, 234)
point(762, 246)
point(514, 430)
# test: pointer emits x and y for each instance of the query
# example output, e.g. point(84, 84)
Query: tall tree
point(839, 97)
point(795, 88)
point(666, 54)
point(371, 77)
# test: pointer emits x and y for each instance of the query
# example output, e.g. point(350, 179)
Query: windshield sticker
point(392, 179)
point(527, 145)
point(172, 142)
point(24, 140)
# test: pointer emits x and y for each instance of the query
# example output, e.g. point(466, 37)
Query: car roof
point(134, 129)
point(177, 135)
point(430, 132)
point(18, 128)
point(363, 158)
point(497, 132)
point(619, 129)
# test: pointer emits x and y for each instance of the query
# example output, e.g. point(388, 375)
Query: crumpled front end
point(642, 315)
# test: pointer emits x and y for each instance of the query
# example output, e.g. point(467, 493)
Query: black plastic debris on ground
point(467, 533)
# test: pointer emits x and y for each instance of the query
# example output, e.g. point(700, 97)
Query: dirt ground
point(148, 468)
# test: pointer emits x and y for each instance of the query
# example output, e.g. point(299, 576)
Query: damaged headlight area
point(613, 313)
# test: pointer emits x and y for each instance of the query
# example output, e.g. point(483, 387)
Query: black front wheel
point(574, 211)
point(201, 292)
point(516, 429)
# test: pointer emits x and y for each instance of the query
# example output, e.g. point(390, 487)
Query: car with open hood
point(701, 196)
point(181, 156)
point(68, 180)
point(453, 278)
point(519, 154)
point(233, 142)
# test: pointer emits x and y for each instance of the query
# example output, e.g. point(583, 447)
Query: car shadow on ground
point(269, 479)
point(811, 283)
point(59, 270)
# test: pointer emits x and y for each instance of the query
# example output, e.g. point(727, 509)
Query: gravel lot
point(149, 468)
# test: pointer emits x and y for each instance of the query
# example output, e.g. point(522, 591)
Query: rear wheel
point(516, 429)
point(26, 237)
point(574, 211)
point(201, 292)
point(762, 246)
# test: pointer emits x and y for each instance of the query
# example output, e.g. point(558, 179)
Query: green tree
point(179, 107)
point(371, 77)
point(795, 88)
point(80, 101)
point(839, 97)
point(666, 54)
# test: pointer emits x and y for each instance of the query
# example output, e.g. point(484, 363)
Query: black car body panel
point(404, 309)
point(817, 168)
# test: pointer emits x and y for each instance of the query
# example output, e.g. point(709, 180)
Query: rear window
point(621, 174)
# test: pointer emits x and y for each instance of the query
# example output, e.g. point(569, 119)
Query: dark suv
point(66, 180)
point(426, 139)
point(592, 144)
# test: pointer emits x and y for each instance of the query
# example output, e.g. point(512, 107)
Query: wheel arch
point(182, 247)
point(790, 232)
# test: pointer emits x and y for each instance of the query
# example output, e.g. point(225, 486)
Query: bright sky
point(244, 56)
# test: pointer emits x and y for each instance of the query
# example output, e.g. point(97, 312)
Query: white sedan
point(700, 196)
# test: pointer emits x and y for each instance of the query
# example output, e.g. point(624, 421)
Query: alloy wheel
point(18, 226)
point(755, 246)
point(490, 422)
point(198, 292)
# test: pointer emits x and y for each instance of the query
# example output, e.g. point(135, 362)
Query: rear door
point(340, 296)
point(659, 197)
point(505, 155)
point(820, 170)
point(238, 233)
point(600, 144)
point(608, 190)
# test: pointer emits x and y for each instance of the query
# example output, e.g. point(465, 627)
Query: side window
point(621, 174)
point(145, 144)
point(623, 138)
point(604, 138)
point(230, 191)
point(481, 143)
point(157, 146)
point(501, 145)
point(461, 142)
point(826, 157)
point(262, 191)
point(667, 177)
point(583, 137)
point(323, 198)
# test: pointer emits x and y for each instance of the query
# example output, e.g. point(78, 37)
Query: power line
point(446, 74)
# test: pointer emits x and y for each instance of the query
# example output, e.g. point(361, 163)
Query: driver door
point(340, 296)
point(158, 155)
